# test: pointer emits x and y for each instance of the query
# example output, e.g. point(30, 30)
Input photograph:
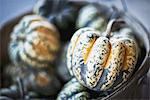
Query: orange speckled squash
point(34, 42)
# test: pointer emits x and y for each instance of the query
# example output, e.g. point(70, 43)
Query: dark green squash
point(62, 13)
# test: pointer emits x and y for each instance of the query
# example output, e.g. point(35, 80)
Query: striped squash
point(73, 90)
point(34, 42)
point(93, 16)
point(101, 60)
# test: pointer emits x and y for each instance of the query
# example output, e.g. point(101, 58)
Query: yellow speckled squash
point(98, 59)
point(34, 42)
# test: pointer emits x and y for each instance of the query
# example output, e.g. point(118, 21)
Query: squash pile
point(33, 49)
point(99, 58)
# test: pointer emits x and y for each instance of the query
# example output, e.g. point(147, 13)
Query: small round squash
point(92, 15)
point(96, 59)
point(34, 42)
point(73, 90)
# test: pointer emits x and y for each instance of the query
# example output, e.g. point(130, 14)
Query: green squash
point(34, 42)
point(73, 90)
point(94, 16)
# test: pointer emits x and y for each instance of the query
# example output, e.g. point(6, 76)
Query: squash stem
point(110, 26)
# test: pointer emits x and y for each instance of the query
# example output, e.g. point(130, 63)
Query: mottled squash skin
point(93, 16)
point(98, 61)
point(34, 42)
point(73, 90)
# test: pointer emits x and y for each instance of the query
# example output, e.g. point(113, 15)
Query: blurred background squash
point(34, 42)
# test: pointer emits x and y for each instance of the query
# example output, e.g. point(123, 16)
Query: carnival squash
point(92, 15)
point(97, 59)
point(34, 42)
